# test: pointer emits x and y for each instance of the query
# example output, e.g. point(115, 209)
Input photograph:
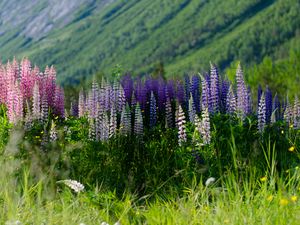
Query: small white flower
point(104, 223)
point(209, 181)
point(117, 223)
point(73, 184)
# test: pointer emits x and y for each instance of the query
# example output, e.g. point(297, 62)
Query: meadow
point(146, 150)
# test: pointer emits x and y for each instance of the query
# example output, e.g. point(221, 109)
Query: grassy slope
point(184, 35)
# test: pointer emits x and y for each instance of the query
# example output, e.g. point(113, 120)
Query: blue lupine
point(224, 92)
point(242, 94)
point(277, 108)
point(192, 110)
point(113, 122)
point(125, 123)
point(161, 95)
point(180, 93)
point(141, 93)
point(187, 89)
point(268, 97)
point(153, 114)
point(171, 89)
point(205, 92)
point(169, 114)
point(127, 84)
point(204, 127)
point(296, 113)
point(231, 102)
point(259, 93)
point(195, 89)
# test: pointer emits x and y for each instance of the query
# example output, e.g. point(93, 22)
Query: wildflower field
point(146, 150)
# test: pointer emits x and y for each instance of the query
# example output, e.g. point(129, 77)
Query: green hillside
point(184, 35)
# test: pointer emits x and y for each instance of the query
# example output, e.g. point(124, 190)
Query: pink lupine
point(36, 102)
point(26, 79)
point(3, 87)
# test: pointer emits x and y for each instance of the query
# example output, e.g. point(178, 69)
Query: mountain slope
point(183, 34)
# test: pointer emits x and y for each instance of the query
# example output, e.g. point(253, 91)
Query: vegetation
point(197, 152)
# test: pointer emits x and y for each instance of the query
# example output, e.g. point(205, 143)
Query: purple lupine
point(74, 109)
point(288, 112)
point(180, 93)
point(214, 88)
point(261, 114)
point(242, 94)
point(161, 95)
point(121, 101)
point(140, 93)
point(153, 115)
point(277, 108)
point(107, 98)
point(224, 92)
point(231, 102)
point(259, 93)
point(105, 131)
point(59, 105)
point(93, 99)
point(205, 92)
point(113, 122)
point(191, 110)
point(195, 89)
point(205, 127)
point(138, 121)
point(269, 104)
point(97, 123)
point(171, 89)
point(180, 122)
point(248, 105)
point(127, 84)
point(296, 113)
point(81, 104)
point(187, 89)
point(125, 123)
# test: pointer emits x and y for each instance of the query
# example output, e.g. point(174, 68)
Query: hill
point(93, 36)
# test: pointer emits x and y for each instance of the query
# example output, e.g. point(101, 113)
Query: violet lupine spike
point(205, 92)
point(36, 102)
point(224, 92)
point(74, 109)
point(231, 102)
point(169, 114)
point(259, 93)
point(121, 101)
point(81, 104)
point(296, 113)
point(180, 93)
point(268, 98)
point(242, 94)
point(195, 89)
point(105, 131)
point(108, 91)
point(59, 106)
point(153, 115)
point(127, 84)
point(140, 93)
point(261, 114)
point(192, 110)
point(187, 89)
point(93, 99)
point(205, 127)
point(161, 95)
point(113, 122)
point(125, 124)
point(171, 89)
point(277, 108)
point(248, 107)
point(97, 123)
point(138, 121)
point(214, 88)
point(288, 112)
point(3, 85)
point(180, 122)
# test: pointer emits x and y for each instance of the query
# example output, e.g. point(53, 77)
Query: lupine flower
point(180, 121)
point(140, 94)
point(180, 93)
point(93, 99)
point(122, 100)
point(277, 108)
point(231, 102)
point(269, 104)
point(169, 114)
point(242, 93)
point(44, 109)
point(36, 104)
point(152, 111)
point(92, 130)
point(224, 92)
point(81, 104)
point(127, 84)
point(113, 122)
point(138, 121)
point(259, 93)
point(192, 110)
point(261, 114)
point(214, 88)
point(288, 113)
point(187, 89)
point(195, 90)
point(74, 109)
point(59, 107)
point(205, 92)
point(53, 132)
point(73, 184)
point(205, 127)
point(170, 89)
point(97, 130)
point(161, 95)
point(125, 124)
point(105, 130)
point(296, 113)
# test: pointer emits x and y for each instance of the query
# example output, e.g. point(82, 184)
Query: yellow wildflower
point(292, 148)
point(294, 198)
point(270, 198)
point(263, 179)
point(283, 202)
